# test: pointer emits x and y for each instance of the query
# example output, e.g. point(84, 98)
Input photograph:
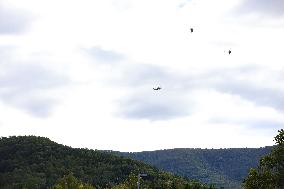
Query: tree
point(71, 182)
point(129, 183)
point(270, 172)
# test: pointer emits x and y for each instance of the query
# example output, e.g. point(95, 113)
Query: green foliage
point(270, 172)
point(70, 182)
point(224, 167)
point(29, 162)
point(161, 181)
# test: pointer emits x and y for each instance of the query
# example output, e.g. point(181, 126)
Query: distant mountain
point(225, 167)
point(32, 162)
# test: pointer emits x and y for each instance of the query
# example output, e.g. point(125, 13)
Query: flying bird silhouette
point(229, 52)
point(191, 30)
point(158, 88)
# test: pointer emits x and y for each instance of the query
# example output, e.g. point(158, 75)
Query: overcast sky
point(81, 72)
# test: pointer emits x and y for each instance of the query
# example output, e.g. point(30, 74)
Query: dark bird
point(229, 52)
point(158, 88)
point(191, 30)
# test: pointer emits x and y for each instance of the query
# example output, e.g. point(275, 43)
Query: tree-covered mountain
point(35, 162)
point(225, 167)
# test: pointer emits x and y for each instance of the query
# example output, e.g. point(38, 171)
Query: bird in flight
point(158, 88)
point(191, 30)
point(229, 52)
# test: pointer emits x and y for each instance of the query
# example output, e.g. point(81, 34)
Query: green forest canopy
point(270, 172)
point(224, 167)
point(37, 162)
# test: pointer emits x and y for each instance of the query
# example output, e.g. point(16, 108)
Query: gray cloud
point(5, 53)
point(269, 8)
point(27, 87)
point(260, 95)
point(144, 74)
point(102, 55)
point(155, 106)
point(183, 3)
point(174, 99)
point(259, 123)
point(142, 102)
point(265, 124)
point(234, 82)
point(13, 21)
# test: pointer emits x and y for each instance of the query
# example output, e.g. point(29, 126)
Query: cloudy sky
point(82, 72)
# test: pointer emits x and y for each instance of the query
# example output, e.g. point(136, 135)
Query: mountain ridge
point(225, 167)
point(37, 162)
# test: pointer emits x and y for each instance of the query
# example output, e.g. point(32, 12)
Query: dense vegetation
point(270, 172)
point(37, 162)
point(225, 167)
point(70, 182)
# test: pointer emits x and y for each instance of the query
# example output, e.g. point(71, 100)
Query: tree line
point(30, 162)
point(37, 162)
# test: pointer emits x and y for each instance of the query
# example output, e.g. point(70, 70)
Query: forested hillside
point(226, 167)
point(36, 162)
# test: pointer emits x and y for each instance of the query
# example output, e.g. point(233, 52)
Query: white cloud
point(262, 7)
point(13, 21)
point(113, 53)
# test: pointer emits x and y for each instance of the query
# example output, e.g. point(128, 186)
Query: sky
point(82, 73)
